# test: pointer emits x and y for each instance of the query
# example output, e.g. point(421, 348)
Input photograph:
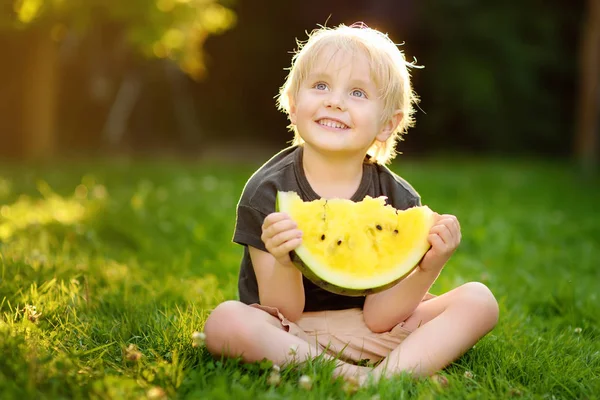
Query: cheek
point(304, 112)
point(370, 118)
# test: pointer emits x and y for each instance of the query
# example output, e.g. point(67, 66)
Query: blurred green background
point(198, 78)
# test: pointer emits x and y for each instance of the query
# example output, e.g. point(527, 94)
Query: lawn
point(107, 268)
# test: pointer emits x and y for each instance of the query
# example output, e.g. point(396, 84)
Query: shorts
point(343, 333)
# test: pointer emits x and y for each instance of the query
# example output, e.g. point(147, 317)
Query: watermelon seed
point(322, 237)
point(395, 230)
point(379, 227)
point(339, 242)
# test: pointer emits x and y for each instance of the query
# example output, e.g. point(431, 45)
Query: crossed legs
point(235, 329)
point(443, 328)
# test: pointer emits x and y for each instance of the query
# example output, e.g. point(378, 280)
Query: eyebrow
point(318, 75)
point(327, 77)
point(362, 83)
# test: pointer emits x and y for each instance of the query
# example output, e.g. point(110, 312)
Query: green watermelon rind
point(332, 281)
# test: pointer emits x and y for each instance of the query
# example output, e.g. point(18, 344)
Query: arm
point(384, 310)
point(279, 281)
point(279, 285)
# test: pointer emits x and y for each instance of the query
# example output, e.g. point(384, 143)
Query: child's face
point(337, 109)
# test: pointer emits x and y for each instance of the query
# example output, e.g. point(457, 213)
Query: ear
point(390, 126)
point(292, 103)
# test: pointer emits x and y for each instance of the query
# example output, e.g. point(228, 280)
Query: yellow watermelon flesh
point(357, 248)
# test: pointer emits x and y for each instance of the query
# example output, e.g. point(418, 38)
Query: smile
point(332, 124)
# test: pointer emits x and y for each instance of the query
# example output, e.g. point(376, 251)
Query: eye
point(358, 93)
point(320, 86)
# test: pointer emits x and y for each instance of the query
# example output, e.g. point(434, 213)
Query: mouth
point(332, 123)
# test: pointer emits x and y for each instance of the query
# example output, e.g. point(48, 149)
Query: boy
point(348, 97)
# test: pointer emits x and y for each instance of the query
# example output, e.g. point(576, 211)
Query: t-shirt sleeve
point(259, 198)
point(248, 227)
point(401, 195)
point(257, 201)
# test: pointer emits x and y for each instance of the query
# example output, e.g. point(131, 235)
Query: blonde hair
point(389, 70)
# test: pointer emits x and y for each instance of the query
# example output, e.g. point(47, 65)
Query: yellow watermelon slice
point(357, 248)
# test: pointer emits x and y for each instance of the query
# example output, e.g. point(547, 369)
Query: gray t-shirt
point(284, 172)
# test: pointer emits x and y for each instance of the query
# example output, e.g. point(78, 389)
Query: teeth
point(332, 124)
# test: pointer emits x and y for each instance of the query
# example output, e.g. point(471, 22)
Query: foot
point(354, 375)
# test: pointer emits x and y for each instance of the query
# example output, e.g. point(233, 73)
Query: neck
point(332, 177)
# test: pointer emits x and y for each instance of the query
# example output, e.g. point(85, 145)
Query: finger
point(436, 241)
point(443, 231)
point(283, 250)
point(458, 234)
point(447, 216)
point(278, 227)
point(455, 230)
point(447, 220)
point(452, 224)
point(285, 236)
point(274, 218)
point(451, 220)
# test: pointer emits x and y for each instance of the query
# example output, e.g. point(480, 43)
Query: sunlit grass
point(50, 209)
point(108, 270)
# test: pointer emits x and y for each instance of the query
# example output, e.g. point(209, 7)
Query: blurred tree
point(586, 139)
point(499, 75)
point(167, 29)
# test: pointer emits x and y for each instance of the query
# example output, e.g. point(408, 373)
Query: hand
point(444, 237)
point(281, 235)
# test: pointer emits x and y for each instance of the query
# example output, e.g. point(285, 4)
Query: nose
point(335, 100)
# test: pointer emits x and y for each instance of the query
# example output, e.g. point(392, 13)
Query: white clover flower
point(31, 312)
point(198, 339)
point(276, 368)
point(577, 330)
point(305, 382)
point(469, 375)
point(274, 379)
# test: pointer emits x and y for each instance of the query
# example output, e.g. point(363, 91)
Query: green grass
point(114, 254)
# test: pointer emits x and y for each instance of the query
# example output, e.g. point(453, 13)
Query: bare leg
point(443, 329)
point(234, 329)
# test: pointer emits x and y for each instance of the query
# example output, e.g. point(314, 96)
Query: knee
point(481, 302)
point(224, 326)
